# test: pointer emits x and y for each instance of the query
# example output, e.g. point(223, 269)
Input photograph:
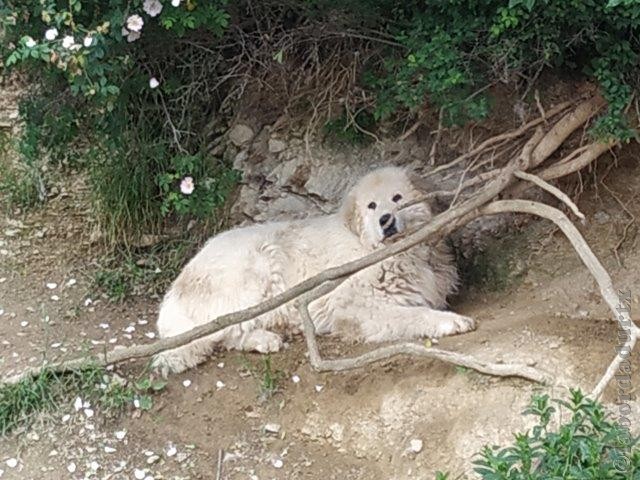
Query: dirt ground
point(355, 425)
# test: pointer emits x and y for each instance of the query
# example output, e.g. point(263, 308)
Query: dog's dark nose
point(384, 219)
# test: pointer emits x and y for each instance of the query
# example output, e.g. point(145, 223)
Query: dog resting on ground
point(400, 298)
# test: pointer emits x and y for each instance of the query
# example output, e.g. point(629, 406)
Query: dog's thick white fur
point(400, 298)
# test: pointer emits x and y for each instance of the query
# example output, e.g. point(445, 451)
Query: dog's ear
point(350, 214)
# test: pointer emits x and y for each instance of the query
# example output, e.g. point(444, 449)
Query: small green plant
point(343, 131)
point(48, 390)
point(267, 377)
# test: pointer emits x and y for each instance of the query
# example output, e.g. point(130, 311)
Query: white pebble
point(94, 465)
point(88, 302)
point(272, 428)
point(295, 379)
point(104, 326)
point(55, 298)
point(3, 279)
point(136, 402)
point(77, 404)
point(12, 462)
point(130, 329)
point(24, 323)
point(108, 449)
point(1, 311)
point(65, 418)
point(171, 450)
point(121, 434)
point(71, 467)
point(319, 388)
point(219, 384)
point(277, 463)
point(150, 335)
point(186, 383)
point(415, 445)
point(52, 286)
point(88, 412)
point(221, 365)
point(71, 282)
point(143, 322)
point(139, 474)
point(56, 345)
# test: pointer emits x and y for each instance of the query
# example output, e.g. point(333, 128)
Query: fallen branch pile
point(490, 181)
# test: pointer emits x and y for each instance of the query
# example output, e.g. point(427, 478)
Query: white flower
point(154, 82)
point(68, 41)
point(29, 42)
point(135, 23)
point(152, 7)
point(51, 34)
point(175, 3)
point(187, 186)
point(88, 41)
point(133, 36)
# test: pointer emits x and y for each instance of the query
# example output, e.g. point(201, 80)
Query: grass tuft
point(46, 392)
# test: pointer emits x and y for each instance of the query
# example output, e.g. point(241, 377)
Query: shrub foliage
point(138, 91)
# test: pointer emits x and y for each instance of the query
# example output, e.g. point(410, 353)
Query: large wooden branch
point(404, 348)
point(439, 226)
point(600, 275)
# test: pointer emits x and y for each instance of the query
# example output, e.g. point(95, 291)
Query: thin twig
point(559, 194)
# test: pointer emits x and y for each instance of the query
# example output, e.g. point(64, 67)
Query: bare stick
point(219, 470)
point(600, 275)
point(552, 190)
point(499, 138)
point(405, 348)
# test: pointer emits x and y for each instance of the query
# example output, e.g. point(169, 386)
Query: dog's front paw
point(263, 341)
point(464, 324)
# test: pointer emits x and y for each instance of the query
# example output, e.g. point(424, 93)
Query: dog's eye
point(397, 197)
point(372, 205)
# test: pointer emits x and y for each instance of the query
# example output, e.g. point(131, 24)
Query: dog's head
point(371, 208)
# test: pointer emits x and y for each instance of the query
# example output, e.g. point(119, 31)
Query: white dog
point(399, 298)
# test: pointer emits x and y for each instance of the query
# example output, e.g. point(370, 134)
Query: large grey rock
point(240, 135)
point(276, 146)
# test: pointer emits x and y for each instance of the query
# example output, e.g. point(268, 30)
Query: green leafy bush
point(131, 88)
point(589, 446)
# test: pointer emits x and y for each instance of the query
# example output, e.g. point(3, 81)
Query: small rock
point(277, 463)
point(319, 388)
point(186, 383)
point(71, 282)
point(88, 412)
point(52, 286)
point(240, 134)
point(139, 474)
point(272, 428)
point(94, 465)
point(12, 462)
point(108, 449)
point(276, 146)
point(55, 298)
point(221, 365)
point(219, 384)
point(121, 434)
point(295, 379)
point(153, 459)
point(415, 445)
point(71, 468)
point(77, 404)
point(150, 335)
